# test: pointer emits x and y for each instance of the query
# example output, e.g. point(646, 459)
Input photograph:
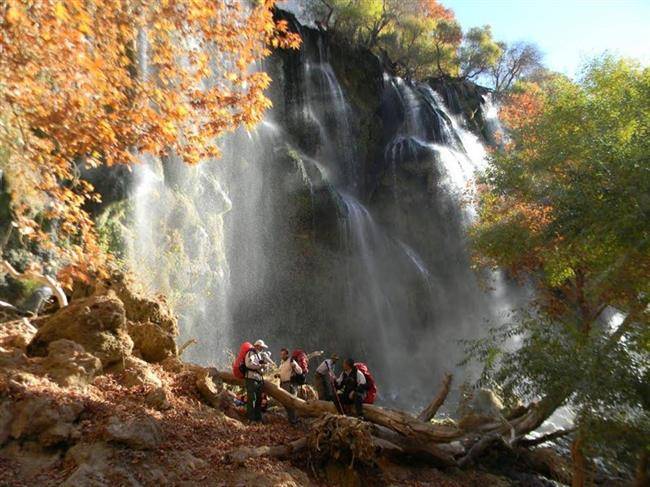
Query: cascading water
point(290, 238)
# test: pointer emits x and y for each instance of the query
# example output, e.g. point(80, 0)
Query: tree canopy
point(421, 37)
point(565, 204)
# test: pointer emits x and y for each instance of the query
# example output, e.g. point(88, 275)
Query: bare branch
point(543, 439)
point(430, 411)
point(48, 281)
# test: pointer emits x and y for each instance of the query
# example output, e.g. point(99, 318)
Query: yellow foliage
point(103, 80)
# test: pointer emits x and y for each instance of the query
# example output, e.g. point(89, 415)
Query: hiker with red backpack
point(355, 386)
point(292, 373)
point(250, 364)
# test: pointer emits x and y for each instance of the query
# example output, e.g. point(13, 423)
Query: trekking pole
point(337, 404)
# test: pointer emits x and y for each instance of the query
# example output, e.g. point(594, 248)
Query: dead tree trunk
point(402, 433)
point(430, 411)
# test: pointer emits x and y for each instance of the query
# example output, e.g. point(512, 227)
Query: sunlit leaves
point(103, 80)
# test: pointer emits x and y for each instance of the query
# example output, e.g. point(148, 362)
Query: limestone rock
point(483, 406)
point(137, 372)
point(68, 364)
point(30, 458)
point(158, 398)
point(290, 477)
point(173, 364)
point(143, 309)
point(17, 334)
point(97, 323)
point(96, 467)
point(43, 418)
point(139, 433)
point(154, 343)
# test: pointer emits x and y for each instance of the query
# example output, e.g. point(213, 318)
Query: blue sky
point(566, 31)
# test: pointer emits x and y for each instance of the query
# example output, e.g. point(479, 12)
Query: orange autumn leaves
point(99, 81)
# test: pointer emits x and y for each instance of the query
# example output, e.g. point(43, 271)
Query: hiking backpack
point(303, 362)
point(239, 365)
point(371, 393)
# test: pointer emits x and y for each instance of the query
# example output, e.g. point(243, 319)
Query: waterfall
point(289, 237)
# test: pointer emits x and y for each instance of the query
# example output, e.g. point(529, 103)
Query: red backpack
point(303, 362)
point(239, 365)
point(371, 394)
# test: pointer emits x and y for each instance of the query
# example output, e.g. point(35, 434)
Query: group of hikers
point(353, 387)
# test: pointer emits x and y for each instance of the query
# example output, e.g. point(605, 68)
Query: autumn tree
point(420, 37)
point(102, 81)
point(564, 205)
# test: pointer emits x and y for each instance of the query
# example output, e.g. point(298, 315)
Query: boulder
point(68, 364)
point(151, 323)
point(483, 406)
point(97, 466)
point(29, 459)
point(158, 398)
point(97, 323)
point(137, 372)
point(153, 343)
point(138, 433)
point(17, 334)
point(45, 419)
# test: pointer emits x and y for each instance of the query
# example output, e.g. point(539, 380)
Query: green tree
point(566, 203)
point(479, 52)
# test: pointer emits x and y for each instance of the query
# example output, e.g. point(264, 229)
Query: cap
point(260, 343)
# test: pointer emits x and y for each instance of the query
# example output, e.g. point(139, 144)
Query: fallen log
point(397, 421)
point(430, 411)
point(401, 433)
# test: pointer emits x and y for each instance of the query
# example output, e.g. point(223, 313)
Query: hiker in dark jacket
point(256, 363)
point(287, 373)
point(351, 386)
point(324, 378)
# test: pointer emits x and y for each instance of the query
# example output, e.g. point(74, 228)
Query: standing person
point(255, 363)
point(324, 378)
point(352, 386)
point(288, 370)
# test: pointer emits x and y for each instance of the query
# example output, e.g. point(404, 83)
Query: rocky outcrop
point(97, 323)
point(150, 323)
point(68, 364)
point(139, 433)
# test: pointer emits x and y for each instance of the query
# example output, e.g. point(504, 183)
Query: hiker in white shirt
point(288, 369)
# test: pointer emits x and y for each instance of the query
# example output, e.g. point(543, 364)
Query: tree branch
point(543, 439)
point(430, 411)
point(48, 281)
